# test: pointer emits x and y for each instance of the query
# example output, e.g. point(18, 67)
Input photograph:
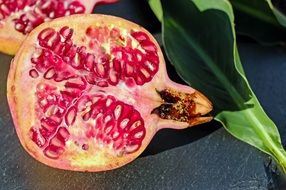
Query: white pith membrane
point(88, 118)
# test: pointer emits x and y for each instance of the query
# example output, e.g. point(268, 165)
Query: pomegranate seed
point(85, 147)
point(71, 116)
point(37, 137)
point(53, 151)
point(50, 73)
point(34, 73)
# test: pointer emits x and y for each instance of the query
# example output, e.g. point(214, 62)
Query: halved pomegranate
point(91, 96)
point(19, 17)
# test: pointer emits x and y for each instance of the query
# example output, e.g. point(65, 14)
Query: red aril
point(91, 96)
point(20, 17)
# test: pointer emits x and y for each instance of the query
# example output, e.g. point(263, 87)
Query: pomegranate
point(19, 17)
point(90, 96)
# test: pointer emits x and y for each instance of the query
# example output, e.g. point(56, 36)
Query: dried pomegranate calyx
point(182, 107)
point(98, 93)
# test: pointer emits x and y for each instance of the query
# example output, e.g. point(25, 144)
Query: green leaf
point(261, 20)
point(200, 41)
point(156, 8)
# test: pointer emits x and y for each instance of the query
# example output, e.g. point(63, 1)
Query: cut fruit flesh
point(19, 17)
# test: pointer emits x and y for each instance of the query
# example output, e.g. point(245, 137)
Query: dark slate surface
point(199, 158)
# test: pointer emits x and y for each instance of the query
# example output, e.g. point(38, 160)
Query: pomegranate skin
point(86, 117)
point(18, 18)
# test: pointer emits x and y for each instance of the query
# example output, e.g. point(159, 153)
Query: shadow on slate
point(204, 157)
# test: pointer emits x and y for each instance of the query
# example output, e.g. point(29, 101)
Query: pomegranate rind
point(22, 107)
point(20, 93)
point(9, 46)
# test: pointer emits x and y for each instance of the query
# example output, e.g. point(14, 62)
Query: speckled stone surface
point(205, 157)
